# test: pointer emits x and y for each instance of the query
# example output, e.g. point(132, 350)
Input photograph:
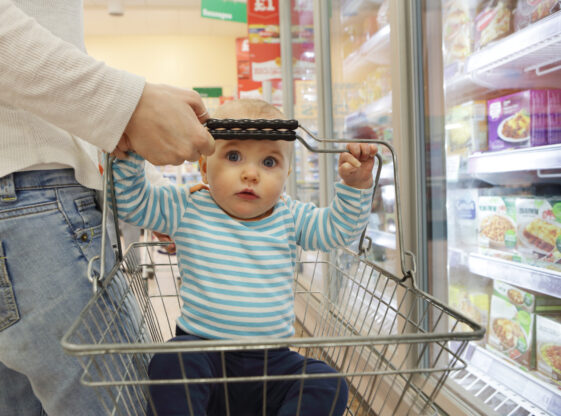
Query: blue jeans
point(319, 396)
point(50, 226)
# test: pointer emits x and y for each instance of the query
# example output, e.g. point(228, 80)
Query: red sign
point(264, 39)
point(242, 58)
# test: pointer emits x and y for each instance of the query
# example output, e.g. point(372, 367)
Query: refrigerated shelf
point(528, 58)
point(482, 363)
point(375, 51)
point(533, 278)
point(375, 112)
point(534, 164)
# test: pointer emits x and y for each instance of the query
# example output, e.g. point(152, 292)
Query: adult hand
point(166, 127)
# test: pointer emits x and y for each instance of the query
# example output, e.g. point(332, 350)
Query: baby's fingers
point(362, 151)
point(349, 159)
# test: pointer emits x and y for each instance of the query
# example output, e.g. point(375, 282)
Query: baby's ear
point(202, 168)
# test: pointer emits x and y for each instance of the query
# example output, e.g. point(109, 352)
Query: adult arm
point(58, 82)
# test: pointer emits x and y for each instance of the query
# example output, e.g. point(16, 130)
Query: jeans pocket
point(9, 313)
point(86, 207)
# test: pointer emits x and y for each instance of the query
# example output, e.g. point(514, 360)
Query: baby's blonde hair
point(250, 108)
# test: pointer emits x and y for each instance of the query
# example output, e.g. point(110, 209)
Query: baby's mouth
point(247, 194)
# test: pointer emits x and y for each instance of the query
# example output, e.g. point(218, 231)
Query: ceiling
point(155, 17)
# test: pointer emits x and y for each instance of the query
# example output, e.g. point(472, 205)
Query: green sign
point(209, 92)
point(228, 10)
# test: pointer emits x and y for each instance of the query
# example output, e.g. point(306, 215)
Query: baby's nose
point(250, 173)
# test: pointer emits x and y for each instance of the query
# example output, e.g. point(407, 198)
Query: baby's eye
point(270, 162)
point(233, 156)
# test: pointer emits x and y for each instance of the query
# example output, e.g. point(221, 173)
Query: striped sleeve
point(156, 208)
point(337, 225)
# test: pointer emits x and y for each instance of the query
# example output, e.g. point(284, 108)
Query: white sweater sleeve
point(56, 81)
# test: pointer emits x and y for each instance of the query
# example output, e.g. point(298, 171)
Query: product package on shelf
point(462, 218)
point(517, 120)
point(548, 347)
point(553, 116)
point(497, 223)
point(466, 132)
point(472, 298)
point(457, 33)
point(493, 21)
point(530, 11)
point(539, 231)
point(512, 320)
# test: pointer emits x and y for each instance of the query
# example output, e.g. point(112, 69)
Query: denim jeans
point(50, 226)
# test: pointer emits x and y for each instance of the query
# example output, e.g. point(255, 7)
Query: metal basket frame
point(369, 323)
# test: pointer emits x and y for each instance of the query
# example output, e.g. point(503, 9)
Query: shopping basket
point(394, 344)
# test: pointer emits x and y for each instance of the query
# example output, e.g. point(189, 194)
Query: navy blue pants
point(320, 397)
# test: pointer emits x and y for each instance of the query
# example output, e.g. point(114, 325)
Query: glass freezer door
point(361, 71)
point(492, 73)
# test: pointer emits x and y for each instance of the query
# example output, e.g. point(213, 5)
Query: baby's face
point(247, 177)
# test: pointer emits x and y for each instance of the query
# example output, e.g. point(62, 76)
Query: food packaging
point(517, 120)
point(512, 319)
point(497, 223)
point(548, 347)
point(457, 33)
point(553, 116)
point(466, 131)
point(473, 302)
point(530, 11)
point(462, 218)
point(539, 231)
point(493, 21)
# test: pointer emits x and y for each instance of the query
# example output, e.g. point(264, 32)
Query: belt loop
point(7, 188)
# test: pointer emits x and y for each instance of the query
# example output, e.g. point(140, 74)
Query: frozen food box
point(530, 11)
point(472, 302)
point(548, 347)
point(493, 21)
point(465, 134)
point(457, 33)
point(512, 320)
point(497, 222)
point(466, 128)
point(462, 218)
point(539, 231)
point(554, 116)
point(517, 120)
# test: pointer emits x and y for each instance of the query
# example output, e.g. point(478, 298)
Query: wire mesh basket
point(393, 344)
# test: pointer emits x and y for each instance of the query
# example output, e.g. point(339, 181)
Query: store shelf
point(375, 51)
point(539, 393)
point(534, 164)
point(372, 113)
point(533, 278)
point(529, 58)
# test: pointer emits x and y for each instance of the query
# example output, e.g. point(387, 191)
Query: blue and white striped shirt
point(237, 276)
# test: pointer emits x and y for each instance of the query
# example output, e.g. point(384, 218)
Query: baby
point(236, 237)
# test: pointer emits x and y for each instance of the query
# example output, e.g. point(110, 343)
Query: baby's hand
point(355, 165)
